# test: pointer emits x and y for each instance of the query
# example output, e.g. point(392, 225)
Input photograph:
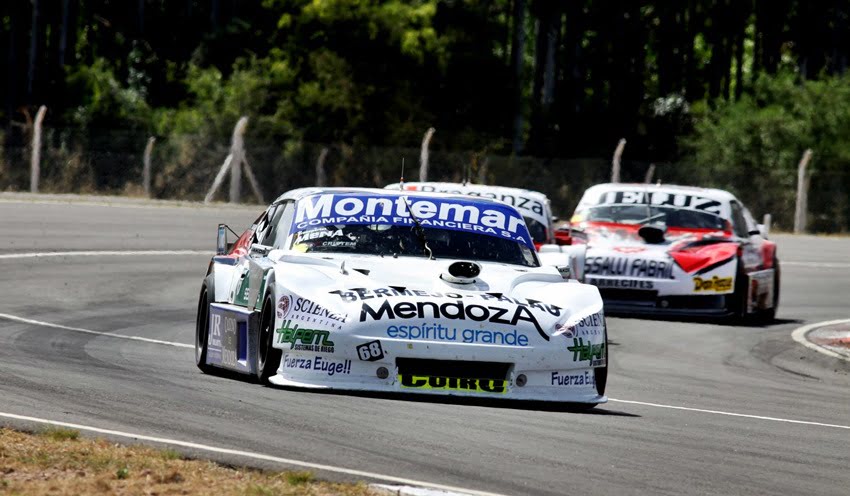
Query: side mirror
point(222, 247)
point(653, 233)
point(564, 235)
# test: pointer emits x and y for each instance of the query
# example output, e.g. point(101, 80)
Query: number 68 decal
point(370, 351)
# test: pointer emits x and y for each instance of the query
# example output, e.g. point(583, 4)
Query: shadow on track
point(541, 406)
point(753, 322)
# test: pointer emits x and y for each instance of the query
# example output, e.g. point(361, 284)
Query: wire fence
point(110, 161)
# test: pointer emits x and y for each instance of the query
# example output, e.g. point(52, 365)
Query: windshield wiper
point(420, 231)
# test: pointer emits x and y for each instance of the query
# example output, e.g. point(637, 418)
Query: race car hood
point(346, 290)
point(618, 249)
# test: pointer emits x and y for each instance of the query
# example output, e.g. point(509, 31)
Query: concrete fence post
point(615, 162)
point(237, 150)
point(252, 180)
point(801, 207)
point(233, 163)
point(146, 170)
point(423, 154)
point(649, 173)
point(35, 159)
point(321, 176)
point(483, 169)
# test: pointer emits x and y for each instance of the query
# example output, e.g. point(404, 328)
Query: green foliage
point(299, 478)
point(255, 88)
point(104, 100)
point(60, 434)
point(753, 145)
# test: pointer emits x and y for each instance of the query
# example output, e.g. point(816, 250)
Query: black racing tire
point(268, 357)
point(601, 373)
point(769, 315)
point(736, 303)
point(202, 325)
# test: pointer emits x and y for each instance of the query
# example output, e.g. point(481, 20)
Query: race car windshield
point(402, 240)
point(536, 229)
point(641, 214)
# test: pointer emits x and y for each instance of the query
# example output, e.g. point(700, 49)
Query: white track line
point(799, 335)
point(816, 265)
point(643, 403)
point(23, 320)
point(107, 253)
point(248, 454)
point(731, 414)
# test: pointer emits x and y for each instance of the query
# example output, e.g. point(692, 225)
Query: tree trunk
point(739, 59)
point(571, 101)
point(34, 49)
point(140, 17)
point(518, 51)
point(693, 88)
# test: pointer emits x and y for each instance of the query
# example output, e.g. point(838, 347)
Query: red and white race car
point(675, 250)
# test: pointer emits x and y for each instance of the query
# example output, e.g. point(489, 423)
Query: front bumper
point(437, 368)
point(651, 303)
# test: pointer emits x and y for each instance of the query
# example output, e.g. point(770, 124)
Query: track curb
point(800, 335)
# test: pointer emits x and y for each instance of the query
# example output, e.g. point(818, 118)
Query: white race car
point(397, 291)
point(676, 250)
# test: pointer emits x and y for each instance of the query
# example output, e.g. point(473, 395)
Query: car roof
point(297, 194)
point(473, 188)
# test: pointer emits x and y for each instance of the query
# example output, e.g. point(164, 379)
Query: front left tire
point(202, 325)
point(268, 357)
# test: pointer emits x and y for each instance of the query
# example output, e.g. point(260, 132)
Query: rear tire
point(268, 357)
point(769, 315)
point(202, 326)
point(736, 303)
point(601, 373)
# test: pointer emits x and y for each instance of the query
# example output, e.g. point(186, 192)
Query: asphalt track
point(142, 387)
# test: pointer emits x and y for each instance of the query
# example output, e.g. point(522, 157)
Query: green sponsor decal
point(304, 339)
point(586, 351)
point(241, 297)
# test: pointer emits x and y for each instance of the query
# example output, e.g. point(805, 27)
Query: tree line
point(523, 78)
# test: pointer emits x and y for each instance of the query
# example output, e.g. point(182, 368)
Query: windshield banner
point(657, 198)
point(496, 220)
point(517, 198)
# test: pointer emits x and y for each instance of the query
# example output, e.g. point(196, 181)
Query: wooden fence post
point(802, 193)
point(35, 159)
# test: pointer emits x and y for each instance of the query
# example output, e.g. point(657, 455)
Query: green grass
point(60, 434)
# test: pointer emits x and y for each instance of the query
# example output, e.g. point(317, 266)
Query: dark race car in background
point(676, 250)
